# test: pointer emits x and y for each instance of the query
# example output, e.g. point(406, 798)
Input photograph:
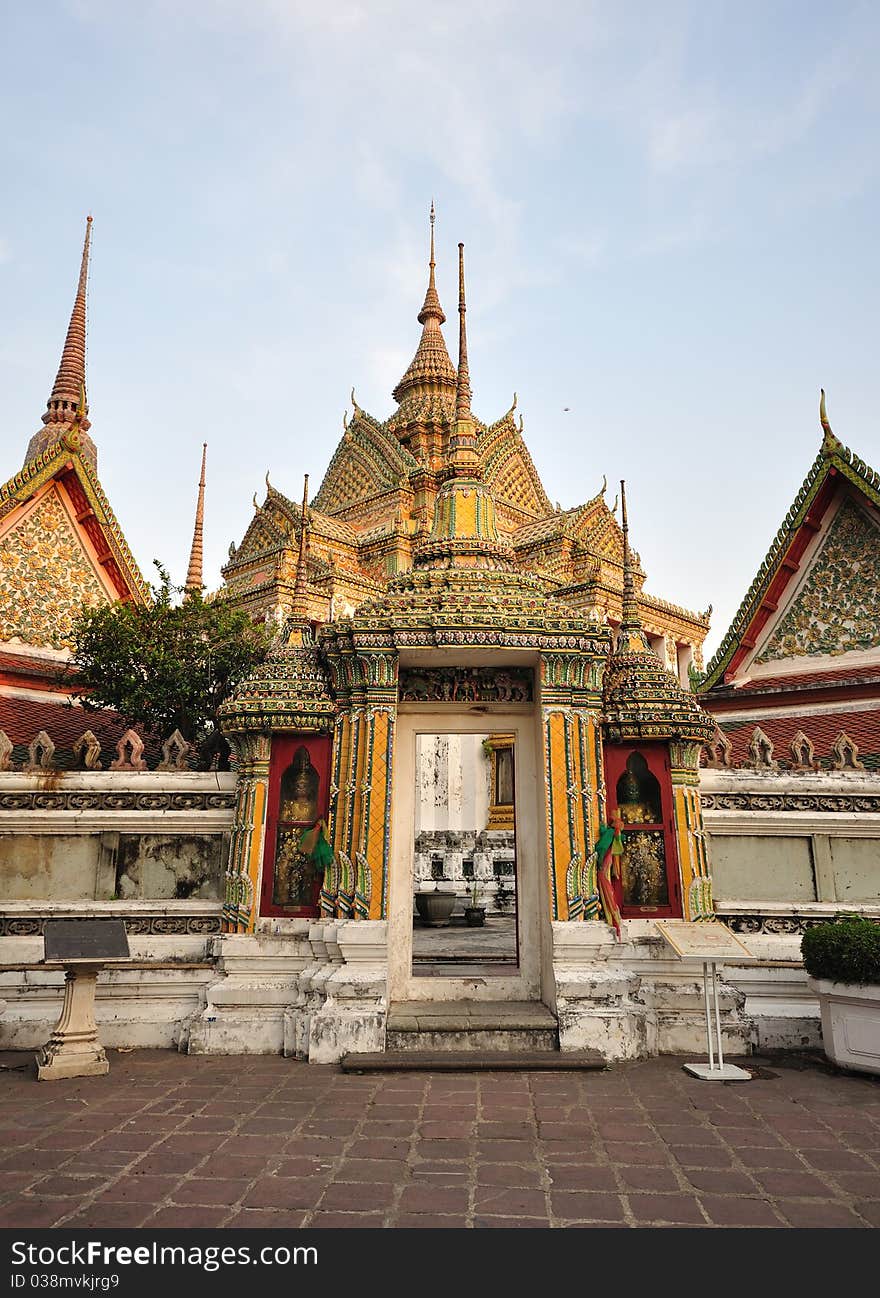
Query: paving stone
point(583, 1177)
point(430, 1198)
point(285, 1192)
point(810, 1213)
point(655, 1154)
point(736, 1210)
point(512, 1174)
point(720, 1180)
point(345, 1221)
point(371, 1170)
point(498, 1200)
point(583, 1205)
point(792, 1185)
point(647, 1178)
point(214, 1190)
point(357, 1197)
point(664, 1208)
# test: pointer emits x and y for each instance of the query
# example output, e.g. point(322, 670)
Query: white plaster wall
point(61, 866)
point(452, 775)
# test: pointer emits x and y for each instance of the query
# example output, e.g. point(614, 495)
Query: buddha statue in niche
point(638, 793)
point(299, 789)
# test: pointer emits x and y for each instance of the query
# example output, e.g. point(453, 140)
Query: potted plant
point(474, 913)
point(842, 959)
point(435, 907)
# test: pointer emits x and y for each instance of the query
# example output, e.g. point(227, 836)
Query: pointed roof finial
point(300, 607)
point(431, 309)
point(430, 370)
point(67, 405)
point(463, 380)
point(829, 441)
point(194, 581)
point(630, 637)
point(71, 377)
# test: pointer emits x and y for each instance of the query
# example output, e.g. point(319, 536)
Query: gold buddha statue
point(299, 790)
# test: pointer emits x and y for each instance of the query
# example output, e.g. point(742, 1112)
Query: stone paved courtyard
point(168, 1140)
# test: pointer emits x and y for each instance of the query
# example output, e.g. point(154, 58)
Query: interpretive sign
point(91, 940)
point(708, 940)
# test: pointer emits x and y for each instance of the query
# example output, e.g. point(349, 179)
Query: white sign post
point(708, 942)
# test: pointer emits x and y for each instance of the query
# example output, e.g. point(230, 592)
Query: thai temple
point(471, 773)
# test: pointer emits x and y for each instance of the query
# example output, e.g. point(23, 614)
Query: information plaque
point(68, 941)
point(710, 942)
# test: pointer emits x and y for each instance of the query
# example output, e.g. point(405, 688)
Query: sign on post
point(709, 942)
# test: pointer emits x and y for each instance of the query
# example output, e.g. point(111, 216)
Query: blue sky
point(669, 210)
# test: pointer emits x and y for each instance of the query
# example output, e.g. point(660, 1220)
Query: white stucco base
point(314, 991)
point(630, 999)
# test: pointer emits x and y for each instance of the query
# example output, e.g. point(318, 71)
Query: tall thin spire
point(463, 380)
point(194, 581)
point(300, 607)
point(630, 636)
point(432, 308)
point(67, 407)
point(430, 374)
point(70, 381)
point(463, 442)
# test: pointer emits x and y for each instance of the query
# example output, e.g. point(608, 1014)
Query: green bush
point(843, 951)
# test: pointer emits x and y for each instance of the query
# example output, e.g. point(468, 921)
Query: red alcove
point(299, 785)
point(638, 784)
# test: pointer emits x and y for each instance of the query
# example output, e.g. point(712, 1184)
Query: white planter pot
point(850, 1023)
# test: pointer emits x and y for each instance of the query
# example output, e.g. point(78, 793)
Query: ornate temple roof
point(384, 504)
point(641, 699)
point(835, 464)
point(60, 543)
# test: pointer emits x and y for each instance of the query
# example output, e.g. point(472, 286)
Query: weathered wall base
point(314, 991)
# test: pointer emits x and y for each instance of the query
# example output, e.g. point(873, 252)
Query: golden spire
point(464, 533)
point(432, 308)
point(430, 371)
point(630, 636)
point(463, 456)
point(300, 607)
point(194, 581)
point(67, 406)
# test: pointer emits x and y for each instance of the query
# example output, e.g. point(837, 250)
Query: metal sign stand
point(716, 1070)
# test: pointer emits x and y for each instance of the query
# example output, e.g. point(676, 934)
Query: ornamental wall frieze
point(790, 802)
point(141, 926)
point(755, 923)
point(98, 800)
point(467, 684)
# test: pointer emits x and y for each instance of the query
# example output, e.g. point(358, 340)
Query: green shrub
point(843, 951)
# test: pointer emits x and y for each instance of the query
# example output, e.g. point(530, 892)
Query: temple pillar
point(696, 881)
point(572, 772)
point(248, 832)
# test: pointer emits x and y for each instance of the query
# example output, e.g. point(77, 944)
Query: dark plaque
point(68, 940)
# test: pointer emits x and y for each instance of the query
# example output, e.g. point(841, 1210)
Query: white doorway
point(423, 731)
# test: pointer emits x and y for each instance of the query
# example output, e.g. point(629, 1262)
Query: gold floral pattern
point(838, 607)
point(45, 577)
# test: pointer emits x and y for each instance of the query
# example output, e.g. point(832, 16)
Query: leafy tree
point(168, 664)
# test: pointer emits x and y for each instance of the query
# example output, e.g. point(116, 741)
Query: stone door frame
point(530, 818)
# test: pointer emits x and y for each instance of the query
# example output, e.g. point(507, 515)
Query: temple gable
point(836, 609)
point(47, 574)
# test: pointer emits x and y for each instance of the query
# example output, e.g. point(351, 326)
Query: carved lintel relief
point(466, 685)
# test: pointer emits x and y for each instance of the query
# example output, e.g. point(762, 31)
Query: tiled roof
point(868, 675)
point(22, 719)
point(862, 727)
